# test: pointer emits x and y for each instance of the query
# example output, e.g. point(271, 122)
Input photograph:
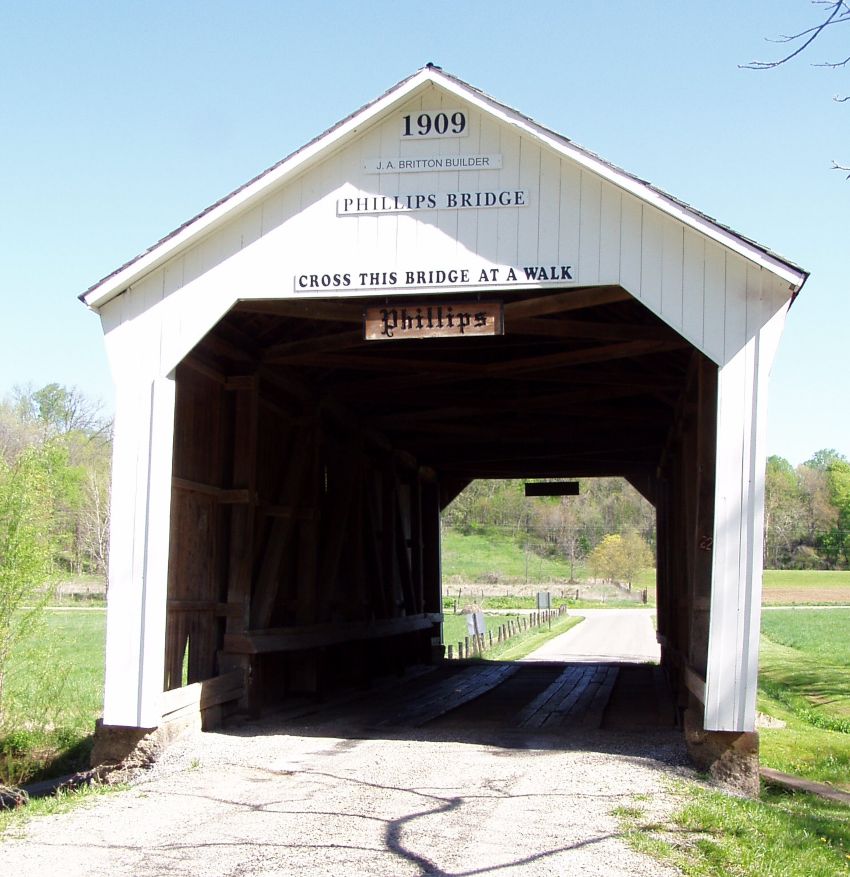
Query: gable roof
point(246, 195)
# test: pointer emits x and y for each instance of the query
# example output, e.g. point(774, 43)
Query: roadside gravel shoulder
point(260, 801)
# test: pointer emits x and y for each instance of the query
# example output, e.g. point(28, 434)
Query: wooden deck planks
point(449, 694)
point(577, 698)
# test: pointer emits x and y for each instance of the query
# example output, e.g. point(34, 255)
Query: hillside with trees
point(55, 456)
point(609, 528)
point(807, 513)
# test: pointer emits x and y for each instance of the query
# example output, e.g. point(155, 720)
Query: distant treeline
point(55, 456)
point(569, 526)
point(807, 515)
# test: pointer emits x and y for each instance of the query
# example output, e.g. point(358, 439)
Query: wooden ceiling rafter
point(291, 350)
point(438, 371)
point(555, 328)
point(435, 453)
point(504, 403)
point(569, 300)
point(304, 309)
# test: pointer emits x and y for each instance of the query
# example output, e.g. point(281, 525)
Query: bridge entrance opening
point(311, 466)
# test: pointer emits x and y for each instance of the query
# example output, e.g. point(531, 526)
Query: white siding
point(732, 671)
point(728, 307)
point(574, 217)
point(138, 569)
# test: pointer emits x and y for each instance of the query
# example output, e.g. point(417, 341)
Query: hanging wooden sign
point(551, 488)
point(443, 320)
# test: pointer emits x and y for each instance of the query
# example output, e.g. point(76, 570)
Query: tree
point(822, 460)
point(604, 560)
point(25, 549)
point(75, 441)
point(620, 558)
point(783, 513)
point(636, 556)
point(833, 13)
point(58, 410)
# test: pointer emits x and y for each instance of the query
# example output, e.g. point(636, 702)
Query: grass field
point(54, 695)
point(483, 563)
point(476, 558)
point(804, 680)
point(787, 587)
point(454, 626)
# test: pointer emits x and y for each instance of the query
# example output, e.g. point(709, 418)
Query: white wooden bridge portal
point(279, 469)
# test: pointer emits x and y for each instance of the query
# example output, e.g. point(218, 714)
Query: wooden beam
point(564, 359)
point(241, 382)
point(646, 484)
point(194, 362)
point(290, 350)
point(586, 329)
point(220, 610)
point(341, 491)
point(695, 683)
point(618, 375)
point(567, 401)
point(280, 535)
point(222, 347)
point(243, 470)
point(179, 703)
point(289, 639)
point(549, 468)
point(571, 300)
point(336, 311)
point(221, 494)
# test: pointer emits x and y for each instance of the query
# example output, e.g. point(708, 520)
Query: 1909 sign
point(451, 123)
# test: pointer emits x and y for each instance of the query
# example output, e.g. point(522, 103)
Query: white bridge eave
point(324, 145)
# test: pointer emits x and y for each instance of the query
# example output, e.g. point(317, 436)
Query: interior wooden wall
point(295, 533)
point(685, 523)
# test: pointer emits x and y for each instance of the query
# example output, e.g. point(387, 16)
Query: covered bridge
point(437, 289)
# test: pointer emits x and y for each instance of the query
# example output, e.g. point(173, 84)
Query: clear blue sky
point(120, 120)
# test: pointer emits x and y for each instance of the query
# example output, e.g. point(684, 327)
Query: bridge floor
point(548, 698)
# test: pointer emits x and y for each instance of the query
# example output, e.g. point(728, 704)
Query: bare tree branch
point(840, 12)
point(833, 64)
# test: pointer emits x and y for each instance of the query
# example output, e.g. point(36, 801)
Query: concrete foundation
point(730, 758)
point(120, 746)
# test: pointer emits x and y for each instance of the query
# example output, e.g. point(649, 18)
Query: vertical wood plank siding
point(730, 309)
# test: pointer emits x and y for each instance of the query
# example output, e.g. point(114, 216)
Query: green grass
point(525, 643)
point(804, 680)
point(802, 749)
point(12, 821)
point(477, 557)
point(454, 626)
point(54, 694)
point(454, 630)
point(805, 663)
point(778, 835)
point(806, 578)
point(820, 633)
point(492, 560)
point(785, 587)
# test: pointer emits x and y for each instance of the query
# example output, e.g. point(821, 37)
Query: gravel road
point(263, 802)
point(623, 635)
point(329, 796)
